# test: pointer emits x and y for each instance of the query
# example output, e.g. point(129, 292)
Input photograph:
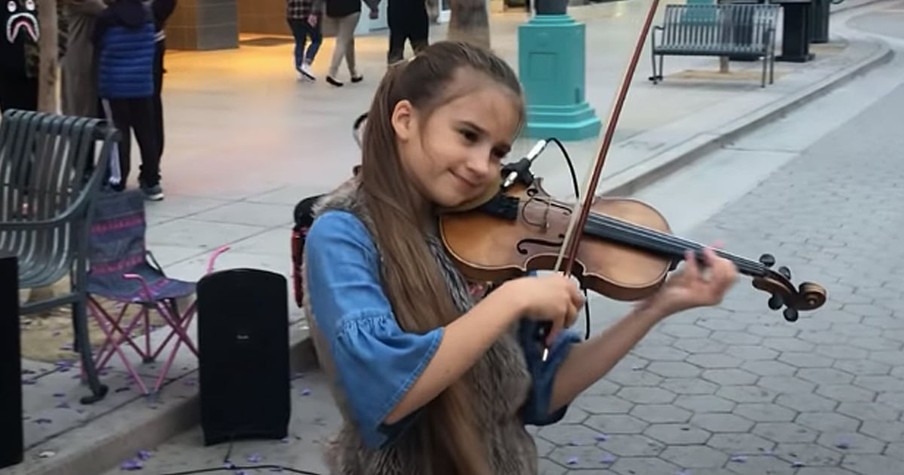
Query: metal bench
point(739, 31)
point(49, 180)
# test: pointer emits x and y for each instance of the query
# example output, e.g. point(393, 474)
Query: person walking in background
point(304, 20)
point(408, 21)
point(125, 39)
point(346, 14)
point(161, 10)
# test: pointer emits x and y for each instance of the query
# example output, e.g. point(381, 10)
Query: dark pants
point(302, 30)
point(18, 93)
point(158, 89)
point(137, 115)
point(407, 22)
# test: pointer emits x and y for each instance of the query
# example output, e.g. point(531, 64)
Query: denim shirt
point(376, 362)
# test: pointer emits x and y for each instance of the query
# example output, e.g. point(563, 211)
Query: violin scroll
point(807, 296)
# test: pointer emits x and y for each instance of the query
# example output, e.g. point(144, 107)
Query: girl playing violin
point(428, 380)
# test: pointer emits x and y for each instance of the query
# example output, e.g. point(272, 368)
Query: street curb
point(117, 436)
point(659, 166)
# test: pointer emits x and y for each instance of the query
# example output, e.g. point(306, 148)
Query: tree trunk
point(49, 57)
point(48, 44)
point(470, 21)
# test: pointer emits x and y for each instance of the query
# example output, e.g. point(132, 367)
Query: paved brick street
point(737, 389)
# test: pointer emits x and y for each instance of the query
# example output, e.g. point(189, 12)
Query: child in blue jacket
point(125, 39)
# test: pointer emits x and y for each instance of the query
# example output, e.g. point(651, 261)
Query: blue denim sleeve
point(376, 361)
point(536, 410)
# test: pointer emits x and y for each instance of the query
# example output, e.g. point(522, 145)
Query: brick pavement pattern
point(736, 389)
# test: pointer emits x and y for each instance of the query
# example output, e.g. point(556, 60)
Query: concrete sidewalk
point(246, 141)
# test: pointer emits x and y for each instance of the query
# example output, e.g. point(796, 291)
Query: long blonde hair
point(419, 294)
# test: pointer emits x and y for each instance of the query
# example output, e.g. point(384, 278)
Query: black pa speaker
point(243, 355)
point(11, 449)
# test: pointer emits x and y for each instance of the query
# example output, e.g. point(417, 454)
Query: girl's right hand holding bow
point(550, 298)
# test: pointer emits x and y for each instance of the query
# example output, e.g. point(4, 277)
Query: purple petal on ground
point(572, 443)
point(602, 437)
point(305, 392)
point(59, 395)
point(844, 442)
point(144, 454)
point(608, 458)
point(63, 405)
point(229, 464)
point(284, 440)
point(29, 382)
point(254, 458)
point(572, 461)
point(131, 464)
point(43, 420)
point(797, 464)
point(739, 458)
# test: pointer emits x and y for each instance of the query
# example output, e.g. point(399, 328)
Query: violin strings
point(671, 244)
point(666, 243)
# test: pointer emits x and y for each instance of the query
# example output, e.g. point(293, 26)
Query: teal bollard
point(551, 67)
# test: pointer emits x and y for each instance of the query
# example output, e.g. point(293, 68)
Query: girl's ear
point(402, 119)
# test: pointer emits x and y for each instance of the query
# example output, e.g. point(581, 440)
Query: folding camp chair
point(124, 271)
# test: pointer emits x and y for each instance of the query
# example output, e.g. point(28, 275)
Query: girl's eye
point(469, 135)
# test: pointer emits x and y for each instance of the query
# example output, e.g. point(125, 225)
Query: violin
point(618, 247)
point(626, 247)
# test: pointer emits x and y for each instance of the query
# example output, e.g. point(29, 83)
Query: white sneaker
point(306, 72)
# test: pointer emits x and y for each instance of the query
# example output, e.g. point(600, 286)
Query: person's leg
point(298, 33)
point(157, 99)
point(396, 46)
point(338, 51)
point(352, 22)
point(314, 33)
point(419, 31)
point(149, 144)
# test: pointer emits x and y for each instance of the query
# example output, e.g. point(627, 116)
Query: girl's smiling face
point(455, 153)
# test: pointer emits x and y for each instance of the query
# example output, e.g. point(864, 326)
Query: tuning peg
point(775, 302)
point(767, 260)
point(790, 314)
point(785, 272)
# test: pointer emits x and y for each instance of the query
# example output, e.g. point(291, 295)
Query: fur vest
point(502, 387)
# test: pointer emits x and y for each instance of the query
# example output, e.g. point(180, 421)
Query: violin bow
point(584, 202)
